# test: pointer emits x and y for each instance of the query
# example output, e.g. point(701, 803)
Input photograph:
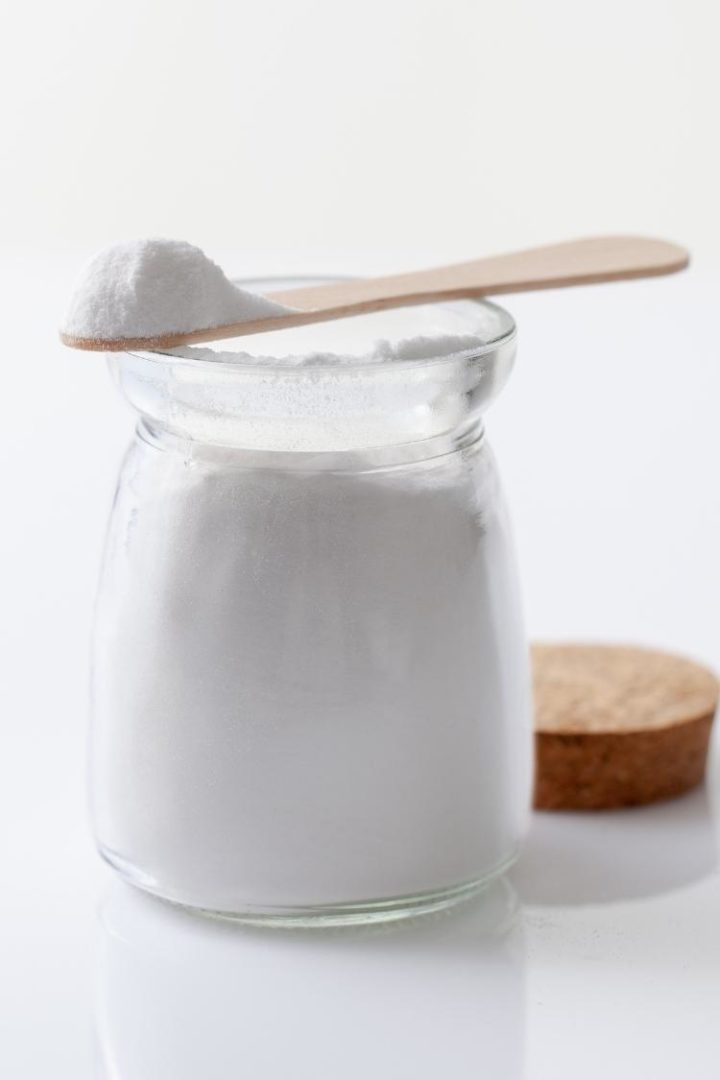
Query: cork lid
point(618, 725)
point(604, 688)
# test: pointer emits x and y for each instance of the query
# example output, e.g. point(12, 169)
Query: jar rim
point(244, 362)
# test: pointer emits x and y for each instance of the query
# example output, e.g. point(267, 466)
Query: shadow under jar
point(310, 677)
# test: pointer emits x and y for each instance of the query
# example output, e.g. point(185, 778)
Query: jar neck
point(335, 460)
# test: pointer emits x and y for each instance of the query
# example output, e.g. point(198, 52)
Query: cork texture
point(618, 725)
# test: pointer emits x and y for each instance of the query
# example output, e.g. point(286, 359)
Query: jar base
point(323, 915)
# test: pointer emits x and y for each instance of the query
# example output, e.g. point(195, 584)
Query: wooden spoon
point(577, 262)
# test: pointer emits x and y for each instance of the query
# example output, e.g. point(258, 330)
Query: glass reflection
point(181, 998)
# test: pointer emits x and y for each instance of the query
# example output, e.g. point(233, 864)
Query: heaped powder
point(146, 288)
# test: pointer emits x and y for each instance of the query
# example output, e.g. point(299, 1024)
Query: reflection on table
point(184, 998)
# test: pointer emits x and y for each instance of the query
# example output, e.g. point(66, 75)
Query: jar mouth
point(442, 332)
point(342, 402)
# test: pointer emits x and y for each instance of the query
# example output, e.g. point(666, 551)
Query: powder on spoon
point(152, 288)
point(147, 288)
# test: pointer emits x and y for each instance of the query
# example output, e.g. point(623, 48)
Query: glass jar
point(310, 678)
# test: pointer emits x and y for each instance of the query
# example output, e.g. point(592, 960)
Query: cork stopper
point(617, 725)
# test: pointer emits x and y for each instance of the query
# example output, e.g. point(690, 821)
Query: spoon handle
point(576, 262)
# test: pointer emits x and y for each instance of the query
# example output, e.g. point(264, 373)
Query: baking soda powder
point(309, 688)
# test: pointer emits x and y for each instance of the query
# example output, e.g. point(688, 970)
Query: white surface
point(608, 439)
point(466, 127)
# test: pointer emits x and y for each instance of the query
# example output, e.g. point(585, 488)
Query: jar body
point(310, 680)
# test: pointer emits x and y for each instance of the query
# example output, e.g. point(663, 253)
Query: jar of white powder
point(311, 687)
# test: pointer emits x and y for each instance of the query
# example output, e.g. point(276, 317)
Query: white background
point(411, 126)
point(328, 136)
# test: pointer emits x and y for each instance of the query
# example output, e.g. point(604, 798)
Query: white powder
point(419, 347)
point(310, 686)
point(146, 288)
